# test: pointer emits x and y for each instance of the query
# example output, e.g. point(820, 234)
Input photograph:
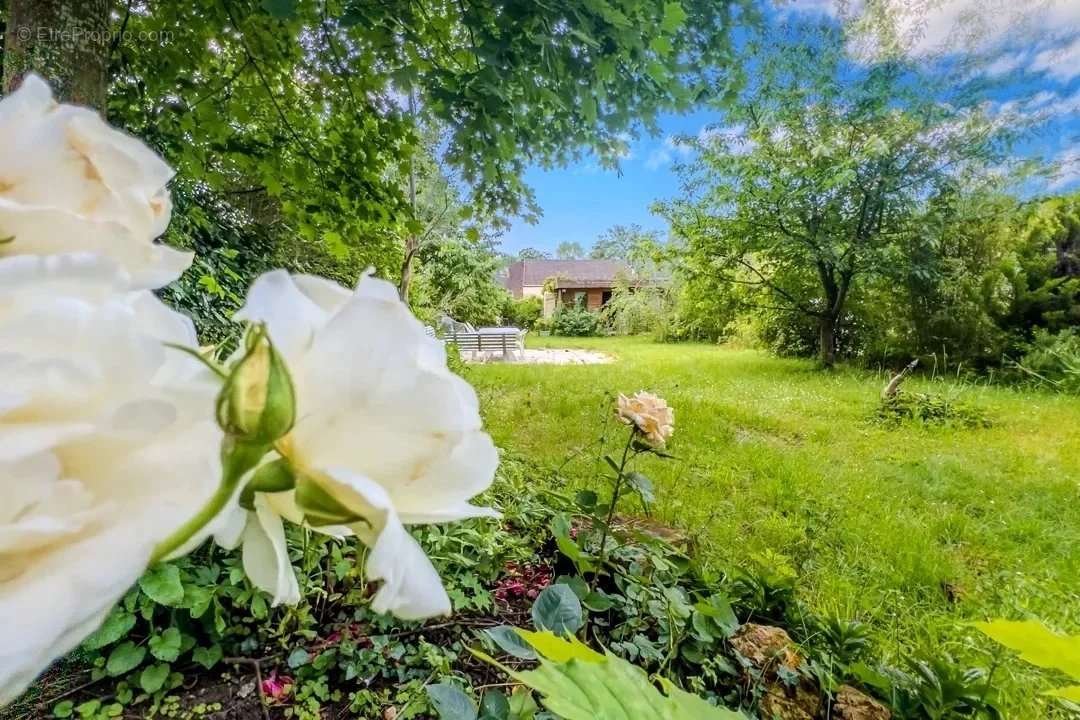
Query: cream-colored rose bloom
point(650, 414)
point(107, 445)
point(71, 183)
point(383, 428)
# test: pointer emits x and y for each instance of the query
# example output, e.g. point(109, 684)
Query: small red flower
point(277, 687)
point(522, 581)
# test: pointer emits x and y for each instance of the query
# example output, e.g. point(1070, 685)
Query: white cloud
point(1036, 35)
point(1069, 105)
point(808, 7)
point(671, 148)
point(1068, 169)
point(1061, 63)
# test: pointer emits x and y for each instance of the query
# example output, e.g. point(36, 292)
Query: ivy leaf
point(451, 703)
point(166, 646)
point(598, 601)
point(64, 709)
point(298, 658)
point(117, 625)
point(124, 658)
point(162, 585)
point(557, 609)
point(207, 657)
point(153, 677)
point(510, 642)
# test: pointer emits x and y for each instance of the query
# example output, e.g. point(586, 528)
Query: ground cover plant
point(912, 529)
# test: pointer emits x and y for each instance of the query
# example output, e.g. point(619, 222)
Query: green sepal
point(320, 507)
point(276, 476)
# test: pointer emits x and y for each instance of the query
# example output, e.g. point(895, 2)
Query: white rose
point(107, 444)
point(384, 430)
point(71, 183)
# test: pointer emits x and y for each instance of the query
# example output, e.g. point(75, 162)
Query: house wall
point(594, 299)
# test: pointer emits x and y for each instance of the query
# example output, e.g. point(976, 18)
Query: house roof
point(570, 273)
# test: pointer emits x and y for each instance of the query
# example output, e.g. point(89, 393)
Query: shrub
point(1054, 360)
point(523, 313)
point(930, 409)
point(633, 311)
point(574, 322)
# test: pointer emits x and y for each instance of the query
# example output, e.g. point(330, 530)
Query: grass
point(915, 529)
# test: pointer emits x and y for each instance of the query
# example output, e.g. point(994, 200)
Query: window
point(580, 299)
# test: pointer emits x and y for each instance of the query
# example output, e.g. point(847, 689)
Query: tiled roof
point(535, 272)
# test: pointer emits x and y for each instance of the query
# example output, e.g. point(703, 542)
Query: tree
point(459, 278)
point(619, 241)
point(531, 253)
point(568, 250)
point(64, 41)
point(826, 185)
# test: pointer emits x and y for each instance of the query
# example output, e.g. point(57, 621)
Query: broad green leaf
point(451, 703)
point(557, 609)
point(166, 646)
point(598, 601)
point(153, 677)
point(510, 642)
point(298, 658)
point(124, 658)
point(116, 625)
point(559, 649)
point(1071, 693)
point(162, 585)
point(64, 709)
point(1037, 644)
point(494, 706)
point(577, 683)
point(207, 657)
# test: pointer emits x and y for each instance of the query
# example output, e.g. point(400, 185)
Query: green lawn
point(915, 529)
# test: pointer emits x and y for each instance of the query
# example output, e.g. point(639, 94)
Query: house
point(581, 283)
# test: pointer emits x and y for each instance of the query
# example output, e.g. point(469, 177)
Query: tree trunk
point(827, 340)
point(412, 242)
point(64, 41)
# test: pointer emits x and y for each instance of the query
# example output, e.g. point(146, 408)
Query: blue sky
point(1033, 49)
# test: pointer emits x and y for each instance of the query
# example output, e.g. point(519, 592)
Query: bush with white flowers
point(120, 446)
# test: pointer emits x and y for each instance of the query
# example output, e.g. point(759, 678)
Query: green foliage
point(937, 688)
point(577, 683)
point(635, 309)
point(899, 527)
point(821, 193)
point(948, 408)
point(524, 313)
point(557, 610)
point(459, 280)
point(1040, 647)
point(574, 322)
point(1054, 360)
point(569, 251)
